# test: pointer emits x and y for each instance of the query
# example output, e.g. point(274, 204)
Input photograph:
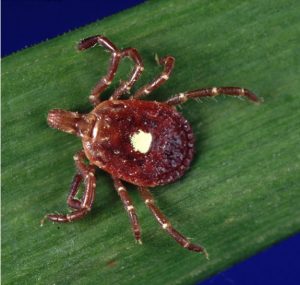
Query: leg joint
point(214, 91)
point(130, 208)
point(165, 76)
point(182, 97)
point(149, 201)
point(87, 208)
point(120, 189)
point(166, 226)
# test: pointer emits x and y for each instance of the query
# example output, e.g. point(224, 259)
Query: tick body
point(146, 143)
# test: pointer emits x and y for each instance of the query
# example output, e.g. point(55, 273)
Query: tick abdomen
point(144, 143)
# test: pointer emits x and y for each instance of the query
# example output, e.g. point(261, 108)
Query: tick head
point(69, 122)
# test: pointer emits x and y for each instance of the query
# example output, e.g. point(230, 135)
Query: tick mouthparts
point(64, 120)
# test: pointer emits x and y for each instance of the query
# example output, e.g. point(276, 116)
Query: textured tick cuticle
point(146, 143)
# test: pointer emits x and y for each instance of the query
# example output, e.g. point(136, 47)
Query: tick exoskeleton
point(146, 143)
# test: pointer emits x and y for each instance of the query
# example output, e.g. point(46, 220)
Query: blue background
point(28, 22)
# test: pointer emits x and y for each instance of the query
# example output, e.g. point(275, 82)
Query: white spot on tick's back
point(141, 141)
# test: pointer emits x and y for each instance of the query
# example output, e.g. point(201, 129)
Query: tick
point(145, 143)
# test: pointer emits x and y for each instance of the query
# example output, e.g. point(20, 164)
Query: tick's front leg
point(105, 81)
point(83, 206)
point(116, 56)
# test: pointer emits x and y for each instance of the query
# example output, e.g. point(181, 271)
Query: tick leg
point(127, 202)
point(168, 63)
point(135, 74)
point(71, 200)
point(212, 92)
point(105, 81)
point(166, 225)
point(83, 206)
point(116, 56)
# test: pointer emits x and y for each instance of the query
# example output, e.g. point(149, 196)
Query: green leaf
point(242, 192)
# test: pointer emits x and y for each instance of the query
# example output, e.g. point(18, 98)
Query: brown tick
point(144, 143)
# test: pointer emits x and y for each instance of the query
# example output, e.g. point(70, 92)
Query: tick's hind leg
point(166, 225)
point(125, 198)
point(83, 206)
point(168, 63)
point(212, 92)
point(116, 56)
